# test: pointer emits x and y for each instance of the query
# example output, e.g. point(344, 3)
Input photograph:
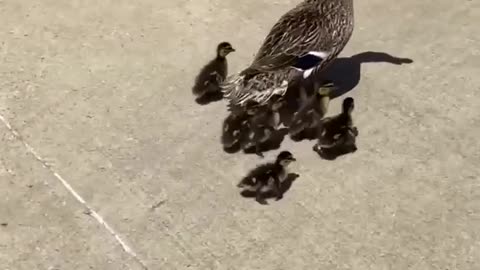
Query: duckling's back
point(336, 124)
point(234, 128)
point(312, 110)
point(265, 117)
point(210, 77)
point(261, 173)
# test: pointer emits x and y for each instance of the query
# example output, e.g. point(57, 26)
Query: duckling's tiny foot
point(262, 201)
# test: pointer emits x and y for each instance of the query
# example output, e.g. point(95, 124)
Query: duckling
point(337, 131)
point(312, 110)
point(268, 177)
point(235, 128)
point(263, 123)
point(211, 75)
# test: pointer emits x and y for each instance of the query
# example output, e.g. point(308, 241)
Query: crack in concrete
point(79, 198)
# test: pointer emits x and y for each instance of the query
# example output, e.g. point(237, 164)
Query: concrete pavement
point(100, 91)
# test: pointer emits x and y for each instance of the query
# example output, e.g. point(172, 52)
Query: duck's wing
point(296, 35)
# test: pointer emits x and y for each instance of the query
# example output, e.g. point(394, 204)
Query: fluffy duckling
point(235, 128)
point(338, 131)
point(268, 177)
point(263, 123)
point(211, 75)
point(312, 109)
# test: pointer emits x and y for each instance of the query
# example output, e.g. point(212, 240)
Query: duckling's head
point(223, 49)
point(285, 158)
point(348, 105)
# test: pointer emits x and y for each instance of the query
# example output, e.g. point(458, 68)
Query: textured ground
point(98, 123)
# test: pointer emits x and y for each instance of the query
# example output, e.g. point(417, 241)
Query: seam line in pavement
point(72, 191)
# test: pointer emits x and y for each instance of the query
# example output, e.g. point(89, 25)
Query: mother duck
point(305, 39)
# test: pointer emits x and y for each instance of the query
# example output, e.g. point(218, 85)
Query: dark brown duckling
point(262, 124)
point(207, 82)
point(268, 177)
point(312, 109)
point(235, 128)
point(338, 131)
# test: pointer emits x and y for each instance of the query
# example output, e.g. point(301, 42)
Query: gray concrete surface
point(101, 91)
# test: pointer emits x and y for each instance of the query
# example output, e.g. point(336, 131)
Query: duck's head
point(224, 48)
point(285, 158)
point(348, 105)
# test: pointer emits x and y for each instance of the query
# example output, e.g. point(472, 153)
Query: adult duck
point(305, 39)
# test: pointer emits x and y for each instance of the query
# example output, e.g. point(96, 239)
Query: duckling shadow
point(334, 153)
point(274, 143)
point(284, 187)
point(345, 72)
point(209, 98)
